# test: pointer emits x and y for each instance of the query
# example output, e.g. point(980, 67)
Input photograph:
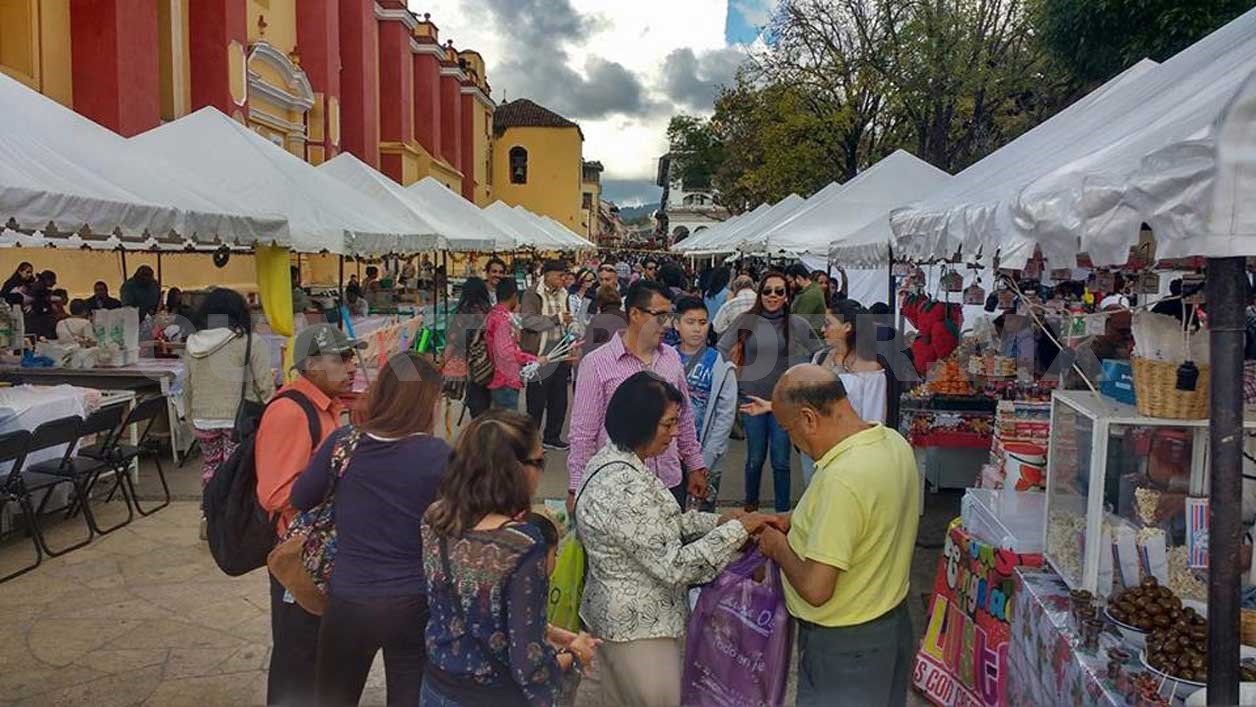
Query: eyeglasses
point(662, 317)
point(777, 291)
point(538, 462)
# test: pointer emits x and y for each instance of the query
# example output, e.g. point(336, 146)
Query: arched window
point(518, 165)
point(680, 233)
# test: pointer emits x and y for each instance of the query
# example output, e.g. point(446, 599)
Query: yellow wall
point(483, 128)
point(589, 216)
point(281, 23)
point(35, 45)
point(78, 270)
point(554, 172)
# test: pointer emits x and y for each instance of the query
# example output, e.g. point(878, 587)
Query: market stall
point(1143, 507)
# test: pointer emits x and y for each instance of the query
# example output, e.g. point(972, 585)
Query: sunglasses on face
point(774, 292)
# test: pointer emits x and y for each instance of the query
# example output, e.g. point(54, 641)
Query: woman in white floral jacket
point(643, 551)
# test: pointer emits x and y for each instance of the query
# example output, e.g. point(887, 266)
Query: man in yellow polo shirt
point(847, 558)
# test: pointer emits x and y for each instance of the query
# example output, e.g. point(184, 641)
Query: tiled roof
point(522, 113)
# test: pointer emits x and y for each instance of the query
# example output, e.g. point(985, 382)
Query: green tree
point(697, 151)
point(1097, 40)
point(775, 144)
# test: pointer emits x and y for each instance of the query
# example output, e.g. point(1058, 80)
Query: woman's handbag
point(479, 363)
point(303, 560)
point(249, 412)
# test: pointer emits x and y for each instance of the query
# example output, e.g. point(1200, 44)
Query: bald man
point(847, 557)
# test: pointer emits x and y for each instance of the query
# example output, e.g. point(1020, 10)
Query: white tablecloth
point(26, 407)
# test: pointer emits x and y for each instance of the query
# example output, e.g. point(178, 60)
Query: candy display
point(1180, 647)
point(1147, 607)
point(949, 379)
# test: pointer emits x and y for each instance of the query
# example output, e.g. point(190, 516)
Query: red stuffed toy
point(938, 325)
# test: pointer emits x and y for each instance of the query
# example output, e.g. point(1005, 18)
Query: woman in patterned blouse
point(643, 552)
point(487, 581)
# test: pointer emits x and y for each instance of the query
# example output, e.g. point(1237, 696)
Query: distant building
point(538, 163)
point(691, 207)
point(612, 231)
point(316, 78)
point(591, 199)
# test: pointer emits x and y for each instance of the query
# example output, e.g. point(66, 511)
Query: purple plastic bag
point(738, 642)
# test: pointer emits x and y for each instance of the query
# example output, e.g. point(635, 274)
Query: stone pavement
point(143, 616)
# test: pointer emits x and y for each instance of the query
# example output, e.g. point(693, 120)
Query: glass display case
point(1126, 495)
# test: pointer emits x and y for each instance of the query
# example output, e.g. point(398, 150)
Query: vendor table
point(951, 436)
point(26, 407)
point(164, 375)
point(1046, 665)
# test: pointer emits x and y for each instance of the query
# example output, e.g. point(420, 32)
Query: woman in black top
point(377, 596)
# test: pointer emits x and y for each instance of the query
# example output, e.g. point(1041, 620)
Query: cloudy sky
point(620, 68)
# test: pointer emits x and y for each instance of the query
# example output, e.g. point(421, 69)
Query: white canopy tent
point(460, 220)
point(561, 233)
point(66, 181)
point(698, 244)
point(323, 214)
point(445, 234)
point(864, 201)
point(528, 233)
point(1145, 152)
point(746, 235)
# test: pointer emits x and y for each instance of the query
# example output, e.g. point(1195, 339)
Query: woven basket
point(1247, 627)
point(1155, 388)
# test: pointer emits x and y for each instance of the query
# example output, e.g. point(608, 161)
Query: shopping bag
point(739, 638)
point(567, 584)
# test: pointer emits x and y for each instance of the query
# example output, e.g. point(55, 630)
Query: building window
point(518, 165)
point(587, 202)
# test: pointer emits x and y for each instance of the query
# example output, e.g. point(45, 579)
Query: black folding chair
point(120, 455)
point(107, 425)
point(13, 446)
point(46, 476)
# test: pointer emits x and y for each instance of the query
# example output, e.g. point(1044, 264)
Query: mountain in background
point(631, 214)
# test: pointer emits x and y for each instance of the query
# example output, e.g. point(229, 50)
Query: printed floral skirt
point(216, 446)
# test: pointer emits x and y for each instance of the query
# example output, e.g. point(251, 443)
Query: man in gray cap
point(325, 363)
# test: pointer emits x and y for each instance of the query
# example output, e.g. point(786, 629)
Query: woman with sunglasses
point(763, 343)
point(487, 577)
point(581, 295)
point(640, 566)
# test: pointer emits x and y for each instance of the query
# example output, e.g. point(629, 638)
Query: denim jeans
point(762, 432)
point(506, 399)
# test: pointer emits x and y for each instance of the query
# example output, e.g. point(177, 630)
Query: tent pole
point(159, 278)
point(1227, 300)
point(340, 290)
point(122, 251)
point(892, 382)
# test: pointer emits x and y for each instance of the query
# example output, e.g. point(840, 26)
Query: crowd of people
point(650, 370)
point(50, 314)
point(442, 563)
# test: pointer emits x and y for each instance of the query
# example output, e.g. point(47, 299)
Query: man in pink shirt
point(638, 348)
point(501, 335)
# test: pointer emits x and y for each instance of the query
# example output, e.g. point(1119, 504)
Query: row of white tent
point(205, 180)
point(1153, 145)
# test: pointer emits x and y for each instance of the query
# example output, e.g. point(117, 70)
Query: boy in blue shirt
point(712, 383)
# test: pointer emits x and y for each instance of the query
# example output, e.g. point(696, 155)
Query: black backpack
point(241, 533)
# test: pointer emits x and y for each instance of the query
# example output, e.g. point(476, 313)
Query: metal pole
point(1227, 302)
point(892, 405)
point(340, 290)
point(123, 252)
point(159, 278)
